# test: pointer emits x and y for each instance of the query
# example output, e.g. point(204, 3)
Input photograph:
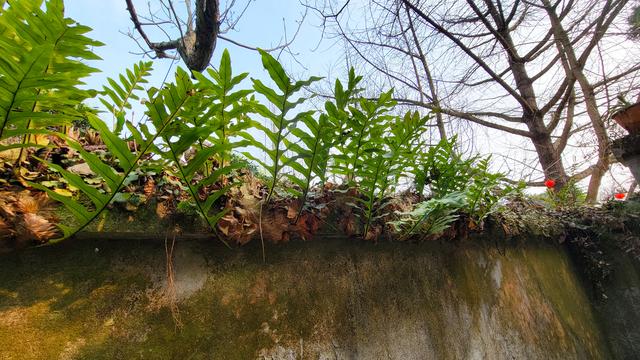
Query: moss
point(144, 219)
point(336, 298)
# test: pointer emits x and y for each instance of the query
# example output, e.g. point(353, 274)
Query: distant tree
point(543, 70)
point(634, 23)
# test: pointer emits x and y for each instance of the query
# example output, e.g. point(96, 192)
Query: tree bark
point(550, 159)
point(575, 66)
point(196, 47)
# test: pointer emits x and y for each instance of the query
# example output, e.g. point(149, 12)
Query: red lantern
point(550, 183)
point(619, 196)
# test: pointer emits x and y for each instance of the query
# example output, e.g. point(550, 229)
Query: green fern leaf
point(164, 108)
point(281, 123)
point(39, 70)
point(120, 95)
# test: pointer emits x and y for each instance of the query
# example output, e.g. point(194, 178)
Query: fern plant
point(443, 169)
point(284, 102)
point(338, 110)
point(226, 109)
point(313, 153)
point(164, 108)
point(190, 172)
point(209, 121)
point(376, 150)
point(382, 167)
point(431, 217)
point(482, 192)
point(363, 127)
point(40, 70)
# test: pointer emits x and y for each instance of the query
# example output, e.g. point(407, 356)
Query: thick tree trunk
point(576, 67)
point(196, 47)
point(550, 159)
point(603, 141)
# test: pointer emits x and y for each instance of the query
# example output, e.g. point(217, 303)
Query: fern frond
point(226, 109)
point(282, 125)
point(40, 69)
point(390, 150)
point(214, 115)
point(433, 216)
point(193, 172)
point(163, 109)
point(117, 97)
point(365, 127)
point(311, 156)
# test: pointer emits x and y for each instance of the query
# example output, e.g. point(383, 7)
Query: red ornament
point(550, 183)
point(620, 196)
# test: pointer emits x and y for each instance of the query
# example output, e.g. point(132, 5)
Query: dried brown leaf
point(26, 203)
point(7, 205)
point(373, 233)
point(34, 228)
point(162, 210)
point(307, 226)
point(348, 224)
point(149, 188)
point(6, 231)
point(292, 211)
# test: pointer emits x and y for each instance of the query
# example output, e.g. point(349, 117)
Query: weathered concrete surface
point(619, 313)
point(326, 299)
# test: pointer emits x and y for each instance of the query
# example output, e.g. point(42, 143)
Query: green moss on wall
point(336, 299)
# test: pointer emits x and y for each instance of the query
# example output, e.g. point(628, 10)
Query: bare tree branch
point(195, 44)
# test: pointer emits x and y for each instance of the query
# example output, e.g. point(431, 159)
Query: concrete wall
point(325, 299)
point(619, 311)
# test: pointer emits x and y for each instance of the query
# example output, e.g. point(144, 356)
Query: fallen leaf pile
point(25, 220)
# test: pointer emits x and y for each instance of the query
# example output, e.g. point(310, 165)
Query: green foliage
point(570, 196)
point(117, 97)
point(282, 125)
point(214, 115)
point(365, 156)
point(164, 108)
point(313, 153)
point(381, 168)
point(375, 148)
point(339, 115)
point(40, 68)
point(193, 128)
point(362, 133)
point(485, 191)
point(431, 217)
point(443, 169)
point(191, 172)
point(226, 110)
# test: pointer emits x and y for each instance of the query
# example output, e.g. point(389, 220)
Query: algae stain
point(302, 302)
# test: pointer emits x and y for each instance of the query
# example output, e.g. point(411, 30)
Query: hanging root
point(264, 254)
point(170, 291)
